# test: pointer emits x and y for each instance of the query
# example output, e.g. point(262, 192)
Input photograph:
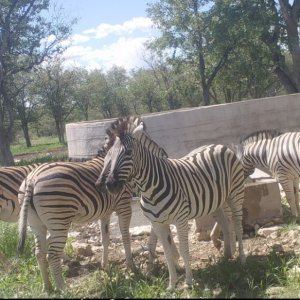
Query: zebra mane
point(126, 125)
point(117, 128)
point(259, 135)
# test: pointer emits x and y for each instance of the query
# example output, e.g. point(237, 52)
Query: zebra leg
point(57, 241)
point(163, 233)
point(214, 236)
point(40, 232)
point(104, 224)
point(223, 221)
point(152, 242)
point(288, 187)
point(236, 205)
point(296, 196)
point(228, 214)
point(124, 222)
point(183, 235)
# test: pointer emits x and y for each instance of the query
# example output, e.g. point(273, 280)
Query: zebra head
point(121, 161)
point(118, 130)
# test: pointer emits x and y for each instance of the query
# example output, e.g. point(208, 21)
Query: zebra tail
point(23, 217)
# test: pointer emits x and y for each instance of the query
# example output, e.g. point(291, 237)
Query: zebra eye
point(128, 152)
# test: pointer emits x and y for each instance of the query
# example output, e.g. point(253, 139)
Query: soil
point(88, 248)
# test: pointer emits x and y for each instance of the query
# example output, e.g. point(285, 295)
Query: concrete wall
point(180, 131)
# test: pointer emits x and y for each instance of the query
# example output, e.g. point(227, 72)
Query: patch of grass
point(9, 240)
point(40, 144)
point(69, 250)
point(228, 279)
point(261, 277)
point(43, 159)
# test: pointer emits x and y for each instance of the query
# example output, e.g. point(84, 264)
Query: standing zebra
point(278, 154)
point(59, 194)
point(10, 182)
point(176, 190)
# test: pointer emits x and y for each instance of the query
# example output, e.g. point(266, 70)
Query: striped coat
point(279, 155)
point(10, 181)
point(176, 190)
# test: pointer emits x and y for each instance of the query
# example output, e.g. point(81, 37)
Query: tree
point(275, 23)
point(26, 40)
point(117, 81)
point(188, 35)
point(56, 88)
point(143, 88)
point(27, 103)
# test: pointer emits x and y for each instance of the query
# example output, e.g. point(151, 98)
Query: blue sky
point(107, 32)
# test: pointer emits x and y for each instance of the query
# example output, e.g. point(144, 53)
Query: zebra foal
point(279, 155)
point(176, 190)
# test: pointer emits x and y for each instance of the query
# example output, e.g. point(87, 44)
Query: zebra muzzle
point(113, 184)
point(100, 184)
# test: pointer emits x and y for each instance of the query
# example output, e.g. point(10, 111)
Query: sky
point(107, 33)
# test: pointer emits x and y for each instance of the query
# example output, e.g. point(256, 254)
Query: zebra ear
point(138, 130)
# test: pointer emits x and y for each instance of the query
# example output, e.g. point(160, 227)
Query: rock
point(274, 291)
point(264, 232)
point(294, 271)
point(202, 235)
point(82, 249)
point(256, 227)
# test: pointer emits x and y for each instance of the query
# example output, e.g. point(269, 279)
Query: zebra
point(176, 190)
point(10, 181)
point(55, 195)
point(229, 243)
point(277, 154)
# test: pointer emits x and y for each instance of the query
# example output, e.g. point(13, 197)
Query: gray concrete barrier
point(180, 131)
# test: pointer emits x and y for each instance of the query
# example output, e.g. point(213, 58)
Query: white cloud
point(125, 48)
point(79, 38)
point(104, 29)
point(125, 52)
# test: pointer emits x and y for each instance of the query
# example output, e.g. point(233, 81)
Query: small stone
point(264, 232)
point(82, 249)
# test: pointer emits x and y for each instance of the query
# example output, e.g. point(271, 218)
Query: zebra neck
point(259, 154)
point(150, 174)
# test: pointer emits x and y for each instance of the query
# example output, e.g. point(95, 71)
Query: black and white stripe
point(176, 190)
point(10, 181)
point(279, 155)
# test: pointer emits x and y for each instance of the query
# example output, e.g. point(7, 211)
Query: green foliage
point(69, 248)
point(9, 240)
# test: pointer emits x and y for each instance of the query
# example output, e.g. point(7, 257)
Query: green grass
point(41, 144)
point(39, 149)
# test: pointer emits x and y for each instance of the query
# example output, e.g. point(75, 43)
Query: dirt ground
point(88, 250)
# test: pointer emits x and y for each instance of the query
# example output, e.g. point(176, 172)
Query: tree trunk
point(6, 157)
point(26, 134)
point(206, 95)
point(60, 131)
